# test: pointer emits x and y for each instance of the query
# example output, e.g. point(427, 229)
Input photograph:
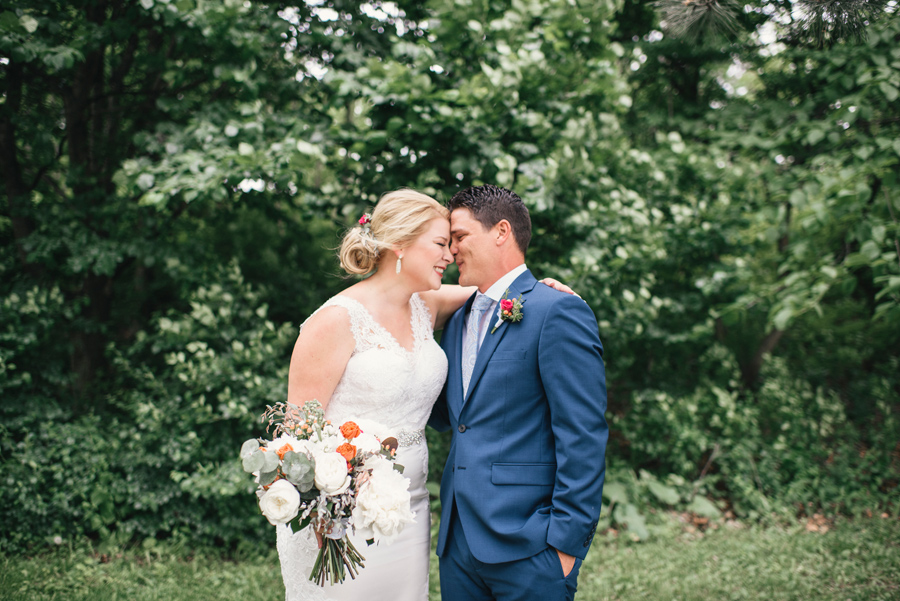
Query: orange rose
point(287, 447)
point(350, 430)
point(347, 451)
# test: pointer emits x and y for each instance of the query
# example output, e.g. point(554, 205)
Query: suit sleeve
point(570, 359)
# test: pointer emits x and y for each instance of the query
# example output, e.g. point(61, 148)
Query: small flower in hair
point(365, 220)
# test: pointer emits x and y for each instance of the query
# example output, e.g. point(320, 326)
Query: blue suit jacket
point(527, 458)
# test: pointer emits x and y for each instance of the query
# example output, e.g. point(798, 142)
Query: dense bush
point(161, 461)
point(787, 448)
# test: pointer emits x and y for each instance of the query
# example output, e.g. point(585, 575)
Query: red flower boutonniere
point(510, 310)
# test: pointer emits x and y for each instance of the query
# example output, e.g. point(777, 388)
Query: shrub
point(161, 461)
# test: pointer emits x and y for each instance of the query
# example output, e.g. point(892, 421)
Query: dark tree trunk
point(10, 167)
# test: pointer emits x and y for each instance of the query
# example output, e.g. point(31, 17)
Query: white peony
point(367, 443)
point(382, 503)
point(280, 503)
point(328, 443)
point(331, 473)
point(377, 430)
point(285, 439)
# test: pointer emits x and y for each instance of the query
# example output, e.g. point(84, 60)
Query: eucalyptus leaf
point(270, 461)
point(254, 462)
point(267, 478)
point(249, 447)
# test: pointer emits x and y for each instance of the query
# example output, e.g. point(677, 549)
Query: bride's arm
point(320, 355)
point(450, 297)
point(444, 301)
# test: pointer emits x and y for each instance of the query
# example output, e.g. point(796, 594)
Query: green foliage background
point(176, 175)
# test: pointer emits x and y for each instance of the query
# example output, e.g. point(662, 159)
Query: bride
point(369, 353)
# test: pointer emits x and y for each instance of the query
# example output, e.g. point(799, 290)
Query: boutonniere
point(510, 310)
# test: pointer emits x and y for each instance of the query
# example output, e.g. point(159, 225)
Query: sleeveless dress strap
point(367, 333)
point(422, 328)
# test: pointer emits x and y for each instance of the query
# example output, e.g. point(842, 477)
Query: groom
point(525, 400)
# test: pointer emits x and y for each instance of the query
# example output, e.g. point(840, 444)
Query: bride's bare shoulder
point(329, 323)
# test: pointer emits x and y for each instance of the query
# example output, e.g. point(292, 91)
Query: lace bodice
point(383, 381)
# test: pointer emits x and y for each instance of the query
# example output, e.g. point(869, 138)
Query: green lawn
point(856, 560)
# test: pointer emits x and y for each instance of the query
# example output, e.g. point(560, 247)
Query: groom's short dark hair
point(490, 204)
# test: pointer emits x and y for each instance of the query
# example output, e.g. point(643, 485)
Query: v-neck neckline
point(412, 326)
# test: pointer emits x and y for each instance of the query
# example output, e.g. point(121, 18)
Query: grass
point(855, 560)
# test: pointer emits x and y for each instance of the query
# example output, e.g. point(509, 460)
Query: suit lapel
point(521, 286)
point(454, 378)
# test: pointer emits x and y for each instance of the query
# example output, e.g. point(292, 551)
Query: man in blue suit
point(525, 400)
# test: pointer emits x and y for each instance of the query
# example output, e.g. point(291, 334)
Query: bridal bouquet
point(334, 480)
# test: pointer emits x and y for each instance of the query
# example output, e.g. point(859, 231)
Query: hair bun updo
point(398, 219)
point(359, 252)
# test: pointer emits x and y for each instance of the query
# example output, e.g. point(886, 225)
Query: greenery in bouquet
point(336, 480)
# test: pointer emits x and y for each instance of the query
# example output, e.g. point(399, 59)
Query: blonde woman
point(369, 353)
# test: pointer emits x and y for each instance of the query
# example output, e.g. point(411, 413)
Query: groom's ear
point(502, 231)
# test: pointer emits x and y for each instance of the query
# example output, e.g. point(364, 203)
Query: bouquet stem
point(335, 560)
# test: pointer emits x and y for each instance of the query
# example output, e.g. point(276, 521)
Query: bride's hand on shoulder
point(321, 353)
point(557, 285)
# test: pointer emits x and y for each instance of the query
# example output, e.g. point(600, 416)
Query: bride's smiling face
point(426, 258)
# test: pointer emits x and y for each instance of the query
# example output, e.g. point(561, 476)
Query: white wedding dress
point(386, 383)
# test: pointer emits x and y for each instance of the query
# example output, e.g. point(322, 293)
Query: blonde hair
point(398, 219)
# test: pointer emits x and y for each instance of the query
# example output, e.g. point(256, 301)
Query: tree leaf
point(815, 136)
point(664, 493)
point(629, 515)
point(782, 318)
point(889, 91)
point(615, 492)
point(704, 507)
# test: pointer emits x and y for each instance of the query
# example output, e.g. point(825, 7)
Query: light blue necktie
point(473, 334)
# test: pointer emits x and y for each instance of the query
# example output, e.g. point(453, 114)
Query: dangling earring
point(399, 265)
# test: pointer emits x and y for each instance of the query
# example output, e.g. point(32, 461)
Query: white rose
point(382, 504)
point(331, 473)
point(280, 503)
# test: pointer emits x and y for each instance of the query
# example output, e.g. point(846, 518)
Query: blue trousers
point(536, 578)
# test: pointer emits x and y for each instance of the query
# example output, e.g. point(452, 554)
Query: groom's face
point(473, 248)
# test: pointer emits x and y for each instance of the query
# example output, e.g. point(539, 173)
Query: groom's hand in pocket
point(567, 561)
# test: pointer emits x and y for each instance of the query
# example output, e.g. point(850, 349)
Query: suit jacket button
point(462, 428)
